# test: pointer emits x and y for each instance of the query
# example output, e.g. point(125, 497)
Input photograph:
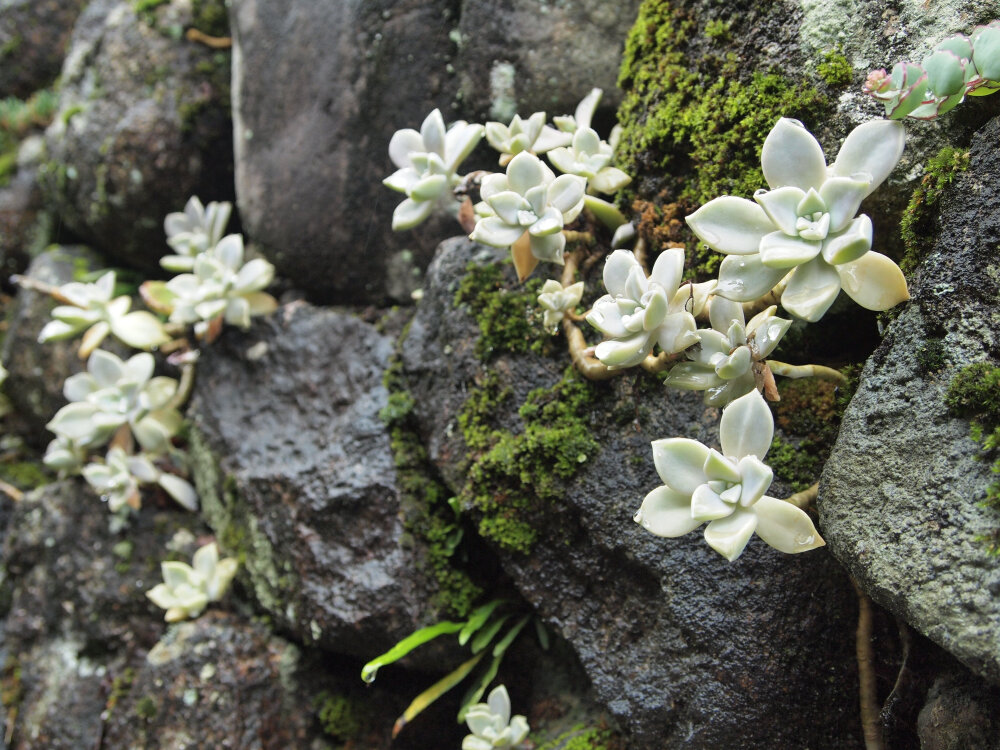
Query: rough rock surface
point(22, 222)
point(681, 646)
point(33, 38)
point(319, 90)
point(143, 124)
point(960, 713)
point(898, 500)
point(37, 372)
point(305, 480)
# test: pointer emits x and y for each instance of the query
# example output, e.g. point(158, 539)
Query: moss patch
point(210, 17)
point(918, 225)
point(975, 393)
point(25, 475)
point(585, 738)
point(692, 129)
point(835, 69)
point(343, 717)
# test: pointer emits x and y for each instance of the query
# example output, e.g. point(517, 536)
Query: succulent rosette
point(491, 724)
point(725, 490)
point(187, 589)
point(805, 227)
point(426, 165)
point(118, 479)
point(639, 312)
point(723, 363)
point(529, 201)
point(582, 116)
point(196, 229)
point(556, 301)
point(531, 135)
point(590, 157)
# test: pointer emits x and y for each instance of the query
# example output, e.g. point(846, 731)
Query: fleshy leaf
point(792, 156)
point(729, 536)
point(746, 427)
point(666, 512)
point(680, 463)
point(746, 278)
point(874, 282)
point(811, 289)
point(731, 225)
point(872, 148)
point(785, 527)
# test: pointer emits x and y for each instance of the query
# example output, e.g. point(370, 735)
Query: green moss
point(25, 475)
point(210, 17)
point(691, 127)
point(974, 393)
point(146, 708)
point(585, 738)
point(514, 477)
point(123, 552)
point(11, 683)
point(835, 69)
point(343, 717)
point(718, 30)
point(509, 319)
point(918, 225)
point(424, 500)
point(797, 465)
point(932, 355)
point(120, 687)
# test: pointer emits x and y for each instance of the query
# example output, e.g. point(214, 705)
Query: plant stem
point(184, 387)
point(11, 491)
point(871, 726)
point(26, 282)
point(805, 498)
point(807, 371)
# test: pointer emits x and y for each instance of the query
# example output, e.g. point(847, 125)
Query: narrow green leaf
point(475, 693)
point(434, 692)
point(477, 619)
point(543, 634)
point(482, 640)
point(503, 645)
point(406, 645)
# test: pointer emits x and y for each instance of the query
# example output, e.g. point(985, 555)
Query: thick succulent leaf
point(781, 206)
point(781, 251)
point(549, 247)
point(609, 215)
point(496, 232)
point(499, 704)
point(746, 427)
point(756, 478)
point(74, 422)
point(549, 222)
point(666, 512)
point(719, 468)
point(491, 185)
point(792, 156)
point(77, 387)
point(157, 295)
point(471, 742)
point(177, 574)
point(986, 55)
point(566, 192)
point(106, 368)
point(402, 144)
point(677, 332)
point(550, 138)
point(429, 188)
point(625, 352)
point(229, 251)
point(736, 364)
point(77, 317)
point(617, 269)
point(460, 141)
point(261, 303)
point(409, 213)
point(609, 180)
point(606, 317)
point(254, 276)
point(656, 309)
point(842, 196)
point(909, 101)
point(524, 172)
point(874, 281)
point(767, 332)
point(523, 256)
point(692, 376)
point(811, 289)
point(402, 180)
point(563, 159)
point(162, 596)
point(57, 330)
point(746, 278)
point(785, 527)
point(874, 147)
point(729, 536)
point(850, 244)
point(432, 133)
point(731, 225)
point(706, 505)
point(668, 268)
point(140, 330)
point(507, 204)
point(680, 463)
point(722, 312)
point(180, 490)
point(945, 73)
point(237, 312)
point(93, 338)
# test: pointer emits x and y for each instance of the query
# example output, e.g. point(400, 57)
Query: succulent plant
point(222, 286)
point(531, 135)
point(113, 393)
point(491, 724)
point(725, 490)
point(805, 225)
point(118, 479)
point(187, 589)
point(195, 230)
point(639, 312)
point(556, 301)
point(956, 67)
point(64, 455)
point(725, 362)
point(92, 307)
point(583, 115)
point(590, 157)
point(528, 206)
point(426, 165)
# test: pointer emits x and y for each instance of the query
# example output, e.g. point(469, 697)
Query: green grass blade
point(475, 693)
point(502, 646)
point(482, 640)
point(406, 645)
point(477, 619)
point(434, 692)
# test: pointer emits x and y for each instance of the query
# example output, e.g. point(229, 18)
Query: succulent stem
point(807, 371)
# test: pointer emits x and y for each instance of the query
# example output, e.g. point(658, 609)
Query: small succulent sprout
point(93, 307)
point(222, 286)
point(806, 226)
point(426, 166)
point(118, 479)
point(187, 589)
point(986, 58)
point(64, 455)
point(639, 312)
point(491, 724)
point(526, 210)
point(556, 301)
point(113, 393)
point(195, 230)
point(590, 157)
point(730, 354)
point(948, 69)
point(583, 115)
point(531, 135)
point(725, 490)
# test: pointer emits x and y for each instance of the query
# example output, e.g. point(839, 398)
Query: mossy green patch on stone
point(120, 687)
point(146, 708)
point(210, 17)
point(717, 29)
point(835, 69)
point(343, 717)
point(918, 224)
point(585, 738)
point(974, 393)
point(692, 127)
point(25, 475)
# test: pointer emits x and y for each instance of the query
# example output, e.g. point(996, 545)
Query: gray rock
point(142, 125)
point(33, 39)
point(898, 500)
point(960, 713)
point(320, 89)
point(304, 487)
point(682, 647)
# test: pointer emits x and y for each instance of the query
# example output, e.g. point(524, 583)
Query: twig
point(215, 42)
point(11, 491)
point(573, 236)
point(805, 498)
point(184, 387)
point(807, 371)
point(26, 282)
point(657, 363)
point(773, 297)
point(590, 367)
point(871, 726)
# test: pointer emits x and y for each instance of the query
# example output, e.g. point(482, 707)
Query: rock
point(320, 90)
point(23, 223)
point(898, 500)
point(960, 713)
point(143, 124)
point(682, 647)
point(305, 487)
point(37, 372)
point(33, 39)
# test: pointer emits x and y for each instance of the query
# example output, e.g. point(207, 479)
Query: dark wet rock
point(899, 497)
point(22, 220)
point(321, 88)
point(304, 488)
point(37, 372)
point(960, 713)
point(33, 39)
point(680, 646)
point(143, 124)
